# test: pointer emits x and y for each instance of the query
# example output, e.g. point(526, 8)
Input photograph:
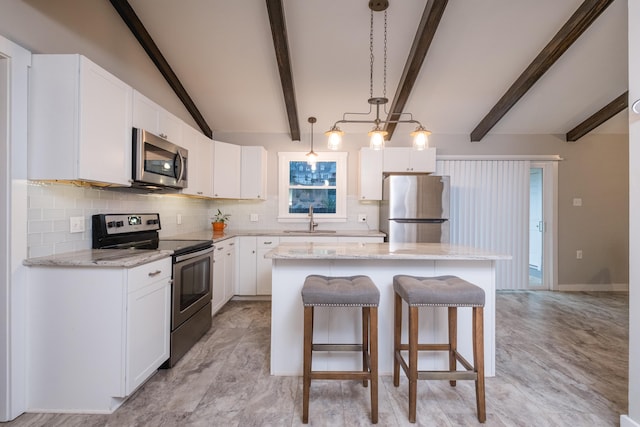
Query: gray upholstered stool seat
point(438, 291)
point(442, 291)
point(353, 291)
point(340, 291)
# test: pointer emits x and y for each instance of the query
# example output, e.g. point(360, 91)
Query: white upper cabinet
point(150, 116)
point(79, 122)
point(226, 170)
point(253, 180)
point(370, 176)
point(401, 159)
point(199, 161)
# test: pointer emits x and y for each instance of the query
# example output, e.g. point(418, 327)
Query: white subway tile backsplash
point(51, 206)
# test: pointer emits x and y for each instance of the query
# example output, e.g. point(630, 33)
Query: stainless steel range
point(192, 272)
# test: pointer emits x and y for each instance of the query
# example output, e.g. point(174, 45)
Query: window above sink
point(302, 185)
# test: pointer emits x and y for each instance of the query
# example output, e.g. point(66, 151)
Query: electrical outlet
point(254, 217)
point(579, 254)
point(577, 201)
point(362, 218)
point(179, 219)
point(76, 224)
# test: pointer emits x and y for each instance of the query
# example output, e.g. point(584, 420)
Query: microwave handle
point(179, 177)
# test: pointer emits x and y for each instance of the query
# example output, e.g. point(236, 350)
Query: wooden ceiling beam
point(582, 18)
point(431, 17)
point(130, 18)
point(598, 118)
point(281, 45)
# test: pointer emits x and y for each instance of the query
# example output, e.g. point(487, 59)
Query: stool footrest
point(340, 375)
point(447, 375)
point(337, 347)
point(427, 347)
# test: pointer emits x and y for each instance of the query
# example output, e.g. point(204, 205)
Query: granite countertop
point(115, 258)
point(385, 251)
point(216, 237)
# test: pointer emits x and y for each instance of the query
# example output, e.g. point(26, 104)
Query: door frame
point(550, 218)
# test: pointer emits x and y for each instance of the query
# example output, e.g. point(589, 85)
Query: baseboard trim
point(625, 421)
point(251, 298)
point(599, 287)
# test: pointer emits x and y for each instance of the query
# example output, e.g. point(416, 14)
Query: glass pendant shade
point(335, 137)
point(376, 141)
point(420, 138)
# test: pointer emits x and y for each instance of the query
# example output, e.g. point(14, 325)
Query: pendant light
point(312, 157)
point(377, 135)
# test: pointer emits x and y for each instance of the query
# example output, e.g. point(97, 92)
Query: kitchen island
point(293, 262)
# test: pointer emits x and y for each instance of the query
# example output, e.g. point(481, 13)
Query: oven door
point(192, 284)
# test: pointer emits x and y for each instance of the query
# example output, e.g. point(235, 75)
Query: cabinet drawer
point(146, 274)
point(267, 242)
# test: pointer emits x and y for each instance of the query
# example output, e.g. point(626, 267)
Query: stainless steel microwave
point(158, 162)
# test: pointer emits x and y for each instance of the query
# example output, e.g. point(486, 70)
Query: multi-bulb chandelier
point(377, 135)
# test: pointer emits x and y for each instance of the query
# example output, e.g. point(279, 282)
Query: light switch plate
point(76, 224)
point(254, 217)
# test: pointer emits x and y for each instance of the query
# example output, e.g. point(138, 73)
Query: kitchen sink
point(310, 232)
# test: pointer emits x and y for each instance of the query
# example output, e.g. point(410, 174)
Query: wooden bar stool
point(354, 291)
point(443, 291)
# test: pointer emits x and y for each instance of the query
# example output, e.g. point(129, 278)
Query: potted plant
point(219, 221)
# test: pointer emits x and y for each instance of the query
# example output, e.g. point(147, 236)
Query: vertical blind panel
point(490, 210)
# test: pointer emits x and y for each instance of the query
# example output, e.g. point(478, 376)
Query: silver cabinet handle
point(154, 273)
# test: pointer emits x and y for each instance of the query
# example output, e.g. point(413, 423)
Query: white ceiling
point(222, 52)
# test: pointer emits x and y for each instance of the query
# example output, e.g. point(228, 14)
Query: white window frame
point(284, 158)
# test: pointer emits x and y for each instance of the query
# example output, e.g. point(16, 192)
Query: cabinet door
point(146, 113)
point(230, 271)
point(219, 256)
point(370, 174)
point(253, 181)
point(247, 274)
point(105, 126)
point(402, 159)
point(200, 156)
point(226, 170)
point(152, 117)
point(148, 326)
point(263, 265)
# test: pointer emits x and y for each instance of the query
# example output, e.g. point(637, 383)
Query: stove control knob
point(119, 223)
point(111, 224)
point(152, 221)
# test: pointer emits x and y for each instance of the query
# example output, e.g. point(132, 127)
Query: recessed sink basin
point(310, 232)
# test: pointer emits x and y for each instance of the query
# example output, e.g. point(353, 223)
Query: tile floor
point(561, 361)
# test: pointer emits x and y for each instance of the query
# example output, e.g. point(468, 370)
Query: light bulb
point(376, 141)
point(335, 137)
point(420, 138)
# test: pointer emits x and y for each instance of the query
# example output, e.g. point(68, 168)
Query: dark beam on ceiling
point(582, 18)
point(130, 18)
point(281, 45)
point(431, 16)
point(598, 118)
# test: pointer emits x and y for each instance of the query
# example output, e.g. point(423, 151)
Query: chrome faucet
point(312, 225)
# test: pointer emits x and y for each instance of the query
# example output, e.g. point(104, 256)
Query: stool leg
point(397, 334)
point(373, 355)
point(478, 359)
point(365, 341)
point(453, 340)
point(413, 362)
point(307, 355)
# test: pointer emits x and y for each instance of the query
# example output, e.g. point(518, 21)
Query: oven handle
point(194, 254)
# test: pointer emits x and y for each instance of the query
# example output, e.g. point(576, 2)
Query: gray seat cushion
point(438, 291)
point(340, 291)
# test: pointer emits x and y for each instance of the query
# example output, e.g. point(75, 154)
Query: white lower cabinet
point(224, 273)
point(94, 335)
point(254, 272)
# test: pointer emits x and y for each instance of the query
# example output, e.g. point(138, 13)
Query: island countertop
point(380, 251)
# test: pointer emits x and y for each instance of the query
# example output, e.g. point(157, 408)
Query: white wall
point(633, 418)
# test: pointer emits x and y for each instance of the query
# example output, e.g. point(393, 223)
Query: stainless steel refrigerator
point(415, 208)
